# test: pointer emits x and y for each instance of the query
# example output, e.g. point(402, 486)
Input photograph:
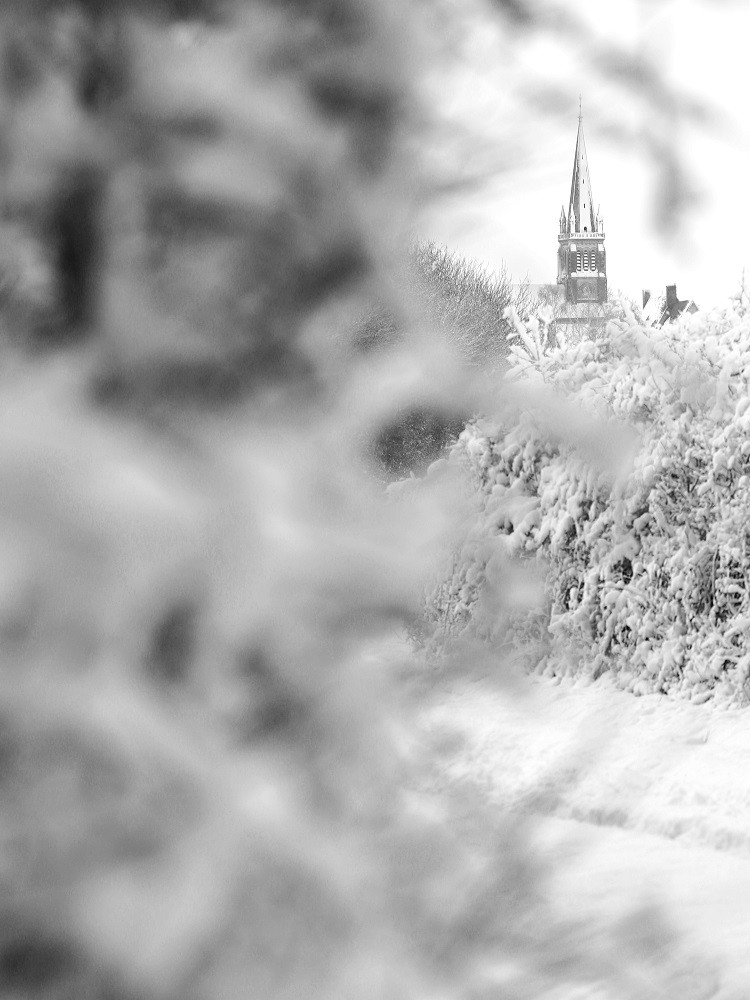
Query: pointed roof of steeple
point(581, 207)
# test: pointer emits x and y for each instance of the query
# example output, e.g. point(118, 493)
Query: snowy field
point(633, 801)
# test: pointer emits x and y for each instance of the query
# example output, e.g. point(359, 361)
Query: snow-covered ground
point(635, 800)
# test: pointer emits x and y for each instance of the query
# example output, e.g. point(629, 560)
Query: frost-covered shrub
point(460, 298)
point(458, 302)
point(621, 467)
point(468, 302)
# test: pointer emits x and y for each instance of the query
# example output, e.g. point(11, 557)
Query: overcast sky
point(510, 107)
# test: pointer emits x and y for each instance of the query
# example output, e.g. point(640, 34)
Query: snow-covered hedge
point(622, 467)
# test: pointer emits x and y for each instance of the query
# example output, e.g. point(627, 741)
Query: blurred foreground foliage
point(210, 787)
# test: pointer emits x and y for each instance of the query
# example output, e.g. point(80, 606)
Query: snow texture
point(630, 801)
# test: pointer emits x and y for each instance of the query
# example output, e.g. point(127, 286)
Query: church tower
point(581, 257)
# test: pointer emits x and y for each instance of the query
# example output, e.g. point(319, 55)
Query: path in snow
point(645, 798)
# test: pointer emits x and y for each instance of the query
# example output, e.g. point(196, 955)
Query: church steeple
point(581, 206)
point(581, 258)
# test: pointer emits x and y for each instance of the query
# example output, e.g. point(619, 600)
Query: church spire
point(581, 206)
point(581, 257)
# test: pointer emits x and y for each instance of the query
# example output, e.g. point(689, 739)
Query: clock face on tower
point(587, 291)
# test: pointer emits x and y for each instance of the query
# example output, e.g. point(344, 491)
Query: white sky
point(523, 162)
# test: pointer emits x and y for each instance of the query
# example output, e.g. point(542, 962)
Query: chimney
point(671, 298)
point(646, 295)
